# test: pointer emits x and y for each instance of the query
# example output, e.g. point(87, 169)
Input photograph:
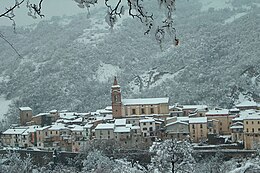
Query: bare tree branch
point(10, 44)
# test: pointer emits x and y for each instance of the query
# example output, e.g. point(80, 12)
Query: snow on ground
point(106, 71)
point(98, 31)
point(95, 34)
point(243, 98)
point(65, 22)
point(234, 17)
point(247, 166)
point(152, 79)
point(3, 106)
point(216, 4)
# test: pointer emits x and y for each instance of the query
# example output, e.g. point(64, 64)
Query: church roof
point(145, 101)
point(25, 108)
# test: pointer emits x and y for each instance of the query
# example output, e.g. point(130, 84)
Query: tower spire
point(115, 81)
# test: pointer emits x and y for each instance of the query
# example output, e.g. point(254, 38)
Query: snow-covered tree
point(135, 8)
point(13, 163)
point(172, 156)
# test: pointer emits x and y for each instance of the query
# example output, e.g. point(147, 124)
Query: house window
point(201, 126)
point(142, 110)
point(144, 134)
point(150, 129)
point(56, 132)
point(151, 123)
point(253, 130)
point(144, 128)
point(152, 111)
point(133, 111)
point(51, 132)
point(193, 126)
point(144, 124)
point(247, 130)
point(252, 122)
point(246, 122)
point(115, 98)
point(108, 132)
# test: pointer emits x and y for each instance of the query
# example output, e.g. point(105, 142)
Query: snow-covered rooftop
point(88, 126)
point(198, 120)
point(58, 126)
point(41, 114)
point(148, 120)
point(104, 126)
point(246, 103)
point(116, 86)
point(14, 131)
point(234, 110)
point(25, 108)
point(177, 122)
point(194, 106)
point(109, 108)
point(236, 127)
point(253, 117)
point(68, 115)
point(145, 101)
point(217, 112)
point(42, 128)
point(30, 129)
point(103, 111)
point(120, 122)
point(122, 130)
point(246, 113)
point(54, 111)
point(135, 127)
point(183, 119)
point(76, 128)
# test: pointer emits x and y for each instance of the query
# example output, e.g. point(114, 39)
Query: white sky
point(49, 8)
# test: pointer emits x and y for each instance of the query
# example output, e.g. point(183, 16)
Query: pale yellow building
point(145, 106)
point(104, 131)
point(237, 132)
point(252, 132)
point(224, 118)
point(198, 129)
point(177, 130)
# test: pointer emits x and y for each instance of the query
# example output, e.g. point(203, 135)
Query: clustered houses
point(134, 123)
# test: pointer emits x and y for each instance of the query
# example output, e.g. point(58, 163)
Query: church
point(123, 108)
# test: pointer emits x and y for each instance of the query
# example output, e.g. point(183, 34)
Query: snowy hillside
point(69, 63)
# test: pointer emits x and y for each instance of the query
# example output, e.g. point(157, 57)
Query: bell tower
point(116, 100)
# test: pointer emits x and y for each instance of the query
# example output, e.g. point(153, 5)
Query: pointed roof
point(115, 81)
point(115, 84)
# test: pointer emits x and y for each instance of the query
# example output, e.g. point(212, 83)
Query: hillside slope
point(69, 63)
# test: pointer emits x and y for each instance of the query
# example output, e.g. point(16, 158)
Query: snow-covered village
point(136, 123)
point(129, 86)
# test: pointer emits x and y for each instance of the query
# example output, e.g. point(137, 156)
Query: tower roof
point(115, 81)
point(115, 84)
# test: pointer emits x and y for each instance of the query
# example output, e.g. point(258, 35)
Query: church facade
point(136, 107)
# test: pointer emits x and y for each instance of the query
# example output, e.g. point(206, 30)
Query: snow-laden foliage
point(172, 156)
point(13, 163)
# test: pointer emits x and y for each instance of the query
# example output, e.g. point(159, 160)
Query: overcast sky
point(50, 8)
